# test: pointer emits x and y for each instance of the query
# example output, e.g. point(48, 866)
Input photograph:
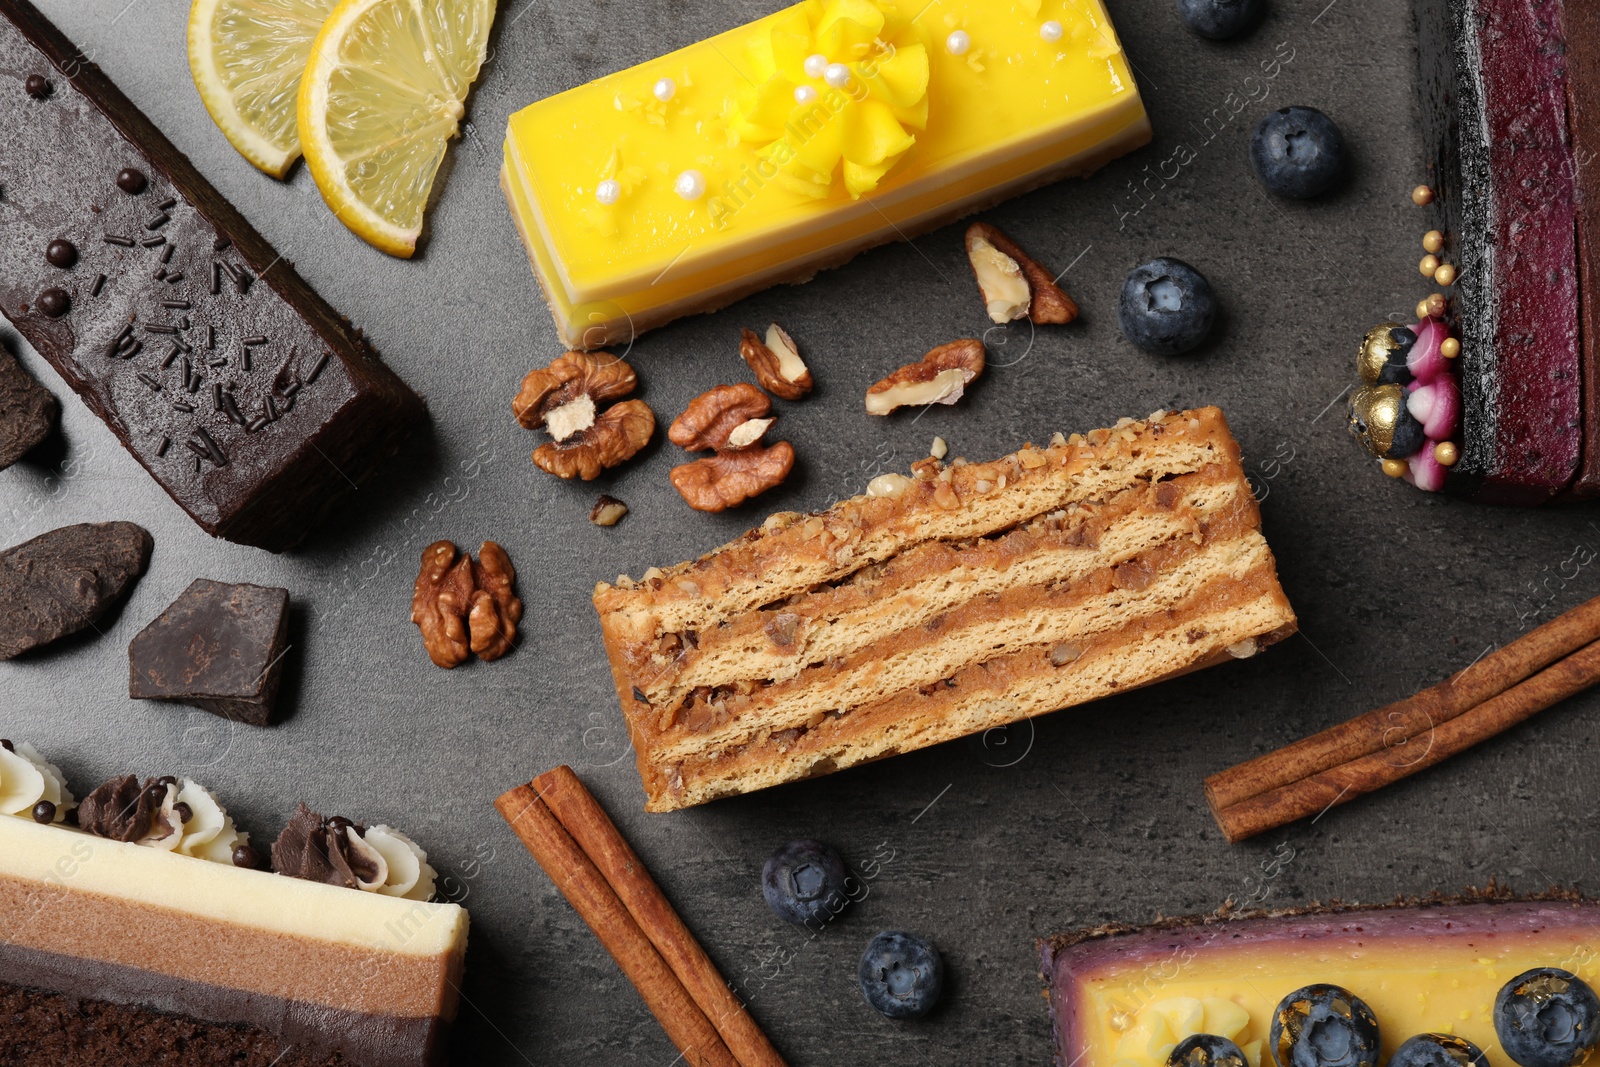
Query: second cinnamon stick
point(1344, 782)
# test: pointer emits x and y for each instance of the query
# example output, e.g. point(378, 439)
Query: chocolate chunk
point(54, 302)
point(60, 582)
point(314, 411)
point(61, 253)
point(37, 86)
point(318, 850)
point(122, 809)
point(217, 647)
point(27, 411)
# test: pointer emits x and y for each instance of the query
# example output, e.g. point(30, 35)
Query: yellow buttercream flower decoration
point(813, 124)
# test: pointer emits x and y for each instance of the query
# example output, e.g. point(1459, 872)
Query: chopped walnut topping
point(940, 377)
point(565, 399)
point(607, 511)
point(776, 363)
point(1013, 284)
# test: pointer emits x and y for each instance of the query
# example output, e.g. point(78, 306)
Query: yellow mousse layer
point(790, 172)
point(1129, 1008)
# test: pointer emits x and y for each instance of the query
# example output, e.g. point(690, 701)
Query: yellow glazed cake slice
point(788, 145)
point(941, 605)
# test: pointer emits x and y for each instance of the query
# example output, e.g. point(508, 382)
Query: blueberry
point(901, 975)
point(1167, 307)
point(1547, 1017)
point(1324, 1026)
point(1297, 152)
point(1218, 19)
point(803, 882)
point(1206, 1050)
point(1438, 1050)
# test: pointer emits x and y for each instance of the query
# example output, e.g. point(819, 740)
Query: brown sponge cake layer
point(962, 599)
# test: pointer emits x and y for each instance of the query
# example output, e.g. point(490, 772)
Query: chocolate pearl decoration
point(54, 302)
point(183, 811)
point(7, 745)
point(37, 86)
point(44, 812)
point(247, 857)
point(61, 253)
point(131, 181)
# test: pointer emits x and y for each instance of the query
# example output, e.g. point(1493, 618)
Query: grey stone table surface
point(1087, 815)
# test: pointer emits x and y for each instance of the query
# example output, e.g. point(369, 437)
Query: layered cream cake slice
point(942, 604)
point(146, 941)
point(792, 143)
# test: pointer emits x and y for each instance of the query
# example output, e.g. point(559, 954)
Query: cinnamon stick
point(1386, 727)
point(1343, 782)
point(599, 837)
point(581, 882)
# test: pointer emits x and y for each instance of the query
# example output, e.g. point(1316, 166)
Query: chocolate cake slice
point(943, 604)
point(1125, 996)
point(248, 398)
point(1511, 121)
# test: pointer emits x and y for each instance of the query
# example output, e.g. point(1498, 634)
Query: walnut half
point(1012, 283)
point(731, 421)
point(776, 363)
point(462, 606)
point(940, 377)
point(566, 398)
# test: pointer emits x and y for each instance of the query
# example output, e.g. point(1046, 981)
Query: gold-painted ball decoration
point(1383, 353)
point(1445, 275)
point(1434, 306)
point(1396, 468)
point(1450, 347)
point(1422, 195)
point(1432, 241)
point(1446, 453)
point(1380, 421)
point(1428, 265)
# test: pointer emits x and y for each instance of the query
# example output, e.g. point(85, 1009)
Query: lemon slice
point(246, 57)
point(382, 95)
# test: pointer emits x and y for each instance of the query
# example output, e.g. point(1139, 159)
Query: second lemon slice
point(382, 95)
point(246, 57)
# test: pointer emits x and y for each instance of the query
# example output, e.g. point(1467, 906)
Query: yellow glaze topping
point(1133, 1017)
point(795, 141)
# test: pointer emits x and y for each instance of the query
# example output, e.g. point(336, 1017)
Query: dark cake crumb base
point(39, 1029)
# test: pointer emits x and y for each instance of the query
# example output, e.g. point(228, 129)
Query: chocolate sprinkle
point(160, 327)
point(256, 340)
point(118, 239)
point(61, 253)
point(154, 242)
point(220, 244)
point(216, 397)
point(175, 278)
point(99, 284)
point(37, 86)
point(151, 380)
point(54, 302)
point(167, 204)
point(131, 180)
point(158, 222)
point(161, 449)
point(175, 305)
point(183, 406)
point(203, 444)
point(166, 256)
point(216, 277)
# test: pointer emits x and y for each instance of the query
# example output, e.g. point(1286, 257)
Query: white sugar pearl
point(805, 95)
point(1051, 31)
point(816, 65)
point(837, 75)
point(691, 185)
point(958, 43)
point(608, 191)
point(665, 89)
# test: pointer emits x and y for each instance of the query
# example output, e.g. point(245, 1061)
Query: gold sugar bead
point(1445, 275)
point(1422, 309)
point(1434, 306)
point(1432, 241)
point(1395, 468)
point(1422, 195)
point(1429, 264)
point(1446, 453)
point(1450, 348)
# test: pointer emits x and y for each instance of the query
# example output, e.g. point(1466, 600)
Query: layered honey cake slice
point(949, 602)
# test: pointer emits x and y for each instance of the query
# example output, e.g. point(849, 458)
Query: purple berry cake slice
point(1430, 983)
point(140, 926)
point(1493, 395)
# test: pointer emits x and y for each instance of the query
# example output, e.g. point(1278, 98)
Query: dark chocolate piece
point(1495, 125)
point(217, 647)
point(122, 809)
point(27, 411)
point(320, 412)
point(319, 850)
point(60, 582)
point(61, 253)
